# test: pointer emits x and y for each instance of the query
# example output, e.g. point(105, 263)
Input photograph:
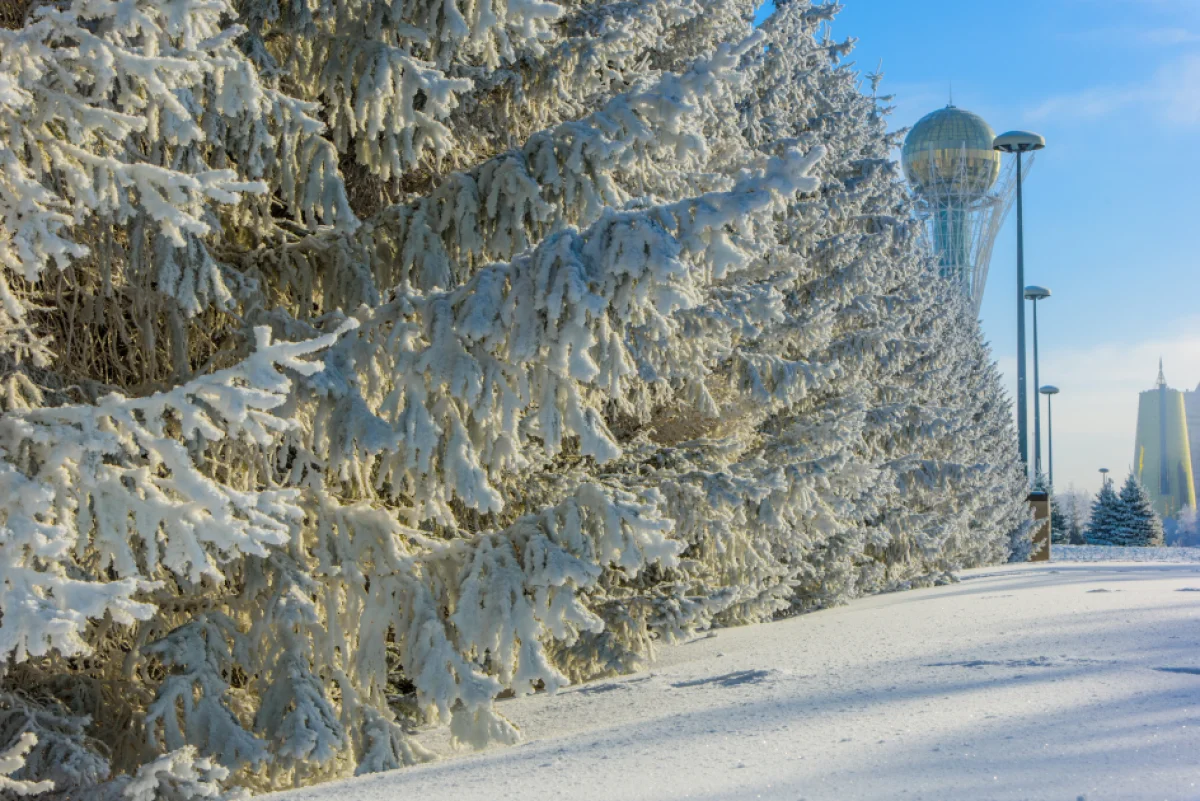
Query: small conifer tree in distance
point(1142, 527)
point(1061, 512)
point(1075, 509)
point(1075, 524)
point(1106, 516)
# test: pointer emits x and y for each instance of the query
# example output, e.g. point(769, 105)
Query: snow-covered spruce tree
point(1062, 519)
point(1075, 509)
point(1075, 533)
point(1184, 530)
point(1141, 526)
point(873, 439)
point(1107, 515)
point(365, 361)
point(261, 590)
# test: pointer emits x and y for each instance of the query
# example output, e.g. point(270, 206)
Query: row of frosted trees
point(363, 361)
point(1125, 519)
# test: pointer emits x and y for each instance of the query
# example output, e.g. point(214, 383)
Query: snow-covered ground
point(1102, 553)
point(1055, 681)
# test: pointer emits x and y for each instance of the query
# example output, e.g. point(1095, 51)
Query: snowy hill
point(1056, 681)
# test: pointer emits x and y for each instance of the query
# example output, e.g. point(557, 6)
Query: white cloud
point(1179, 9)
point(1088, 104)
point(1171, 96)
point(1179, 91)
point(1095, 417)
point(1166, 36)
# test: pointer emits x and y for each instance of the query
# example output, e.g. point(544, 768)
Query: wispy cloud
point(1170, 96)
point(1099, 101)
point(914, 100)
point(1163, 37)
point(1166, 36)
point(1177, 9)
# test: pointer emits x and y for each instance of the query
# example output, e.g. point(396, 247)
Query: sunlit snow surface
point(1056, 681)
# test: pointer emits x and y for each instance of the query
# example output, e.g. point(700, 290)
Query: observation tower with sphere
point(962, 190)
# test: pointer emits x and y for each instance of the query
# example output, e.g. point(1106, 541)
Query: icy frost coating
point(366, 361)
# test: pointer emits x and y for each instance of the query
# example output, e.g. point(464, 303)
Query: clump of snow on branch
point(12, 760)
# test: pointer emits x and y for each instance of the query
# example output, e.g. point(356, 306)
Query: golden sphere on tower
point(949, 153)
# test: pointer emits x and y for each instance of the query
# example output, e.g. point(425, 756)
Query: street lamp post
point(1036, 293)
point(1049, 391)
point(1103, 477)
point(1020, 143)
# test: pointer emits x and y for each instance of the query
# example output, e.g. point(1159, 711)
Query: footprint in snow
point(728, 679)
point(611, 686)
point(1186, 670)
point(1037, 661)
point(597, 689)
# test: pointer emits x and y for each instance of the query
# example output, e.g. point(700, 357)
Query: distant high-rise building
point(1191, 403)
point(1162, 457)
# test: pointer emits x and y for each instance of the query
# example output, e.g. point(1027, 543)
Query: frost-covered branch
point(13, 760)
point(120, 490)
point(460, 383)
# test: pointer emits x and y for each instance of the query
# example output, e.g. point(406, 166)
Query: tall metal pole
point(1037, 407)
point(1022, 390)
point(1050, 433)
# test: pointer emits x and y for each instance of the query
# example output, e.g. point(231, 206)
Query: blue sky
point(1112, 205)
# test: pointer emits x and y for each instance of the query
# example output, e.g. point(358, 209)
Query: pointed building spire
point(1162, 377)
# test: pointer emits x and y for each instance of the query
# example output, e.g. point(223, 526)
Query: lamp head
point(1019, 142)
point(1036, 293)
point(1049, 390)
